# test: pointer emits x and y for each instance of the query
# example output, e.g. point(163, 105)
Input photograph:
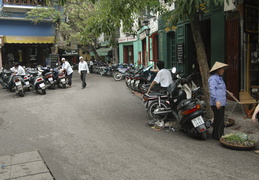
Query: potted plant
point(239, 141)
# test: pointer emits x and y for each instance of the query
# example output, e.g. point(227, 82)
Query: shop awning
point(29, 39)
point(101, 51)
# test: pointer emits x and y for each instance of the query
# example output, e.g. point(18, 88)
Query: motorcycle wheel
point(142, 89)
point(52, 86)
point(126, 82)
point(21, 93)
point(157, 117)
point(203, 135)
point(117, 76)
point(43, 91)
point(136, 85)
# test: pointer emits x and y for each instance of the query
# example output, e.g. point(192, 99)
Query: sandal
point(256, 151)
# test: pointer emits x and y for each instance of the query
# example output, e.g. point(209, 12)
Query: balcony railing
point(26, 2)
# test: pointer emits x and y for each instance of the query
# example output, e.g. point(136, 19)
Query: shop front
point(251, 43)
point(26, 50)
point(127, 50)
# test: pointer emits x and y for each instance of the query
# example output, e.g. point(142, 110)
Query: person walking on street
point(66, 67)
point(217, 89)
point(82, 70)
point(91, 66)
point(162, 80)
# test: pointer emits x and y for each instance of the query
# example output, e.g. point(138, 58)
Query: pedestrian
point(217, 90)
point(254, 117)
point(91, 65)
point(66, 68)
point(162, 80)
point(82, 70)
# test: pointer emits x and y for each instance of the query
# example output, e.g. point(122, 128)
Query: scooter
point(48, 77)
point(12, 82)
point(143, 78)
point(5, 76)
point(59, 78)
point(18, 85)
point(131, 75)
point(27, 85)
point(37, 82)
point(122, 72)
point(187, 112)
point(105, 71)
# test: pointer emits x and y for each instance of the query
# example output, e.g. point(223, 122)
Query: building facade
point(21, 40)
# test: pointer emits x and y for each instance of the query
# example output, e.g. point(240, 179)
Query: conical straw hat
point(218, 65)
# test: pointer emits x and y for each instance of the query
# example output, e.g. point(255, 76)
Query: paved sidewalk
point(24, 166)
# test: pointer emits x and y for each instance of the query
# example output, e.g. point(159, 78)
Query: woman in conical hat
point(217, 88)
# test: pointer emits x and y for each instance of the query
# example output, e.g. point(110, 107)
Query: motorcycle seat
point(34, 73)
point(155, 94)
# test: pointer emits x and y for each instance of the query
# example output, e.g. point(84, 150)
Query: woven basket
point(236, 147)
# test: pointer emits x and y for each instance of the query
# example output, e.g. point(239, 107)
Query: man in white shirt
point(82, 70)
point(66, 67)
point(163, 77)
point(19, 70)
point(91, 66)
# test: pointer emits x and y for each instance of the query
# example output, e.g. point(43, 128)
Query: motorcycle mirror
point(174, 70)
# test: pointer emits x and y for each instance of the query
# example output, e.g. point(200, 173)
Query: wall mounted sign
point(179, 53)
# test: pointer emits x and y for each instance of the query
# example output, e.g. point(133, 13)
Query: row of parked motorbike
point(117, 71)
point(183, 101)
point(35, 79)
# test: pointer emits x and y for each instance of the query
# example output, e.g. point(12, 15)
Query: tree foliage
point(70, 20)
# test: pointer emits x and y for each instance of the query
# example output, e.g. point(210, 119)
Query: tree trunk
point(97, 57)
point(203, 63)
point(115, 55)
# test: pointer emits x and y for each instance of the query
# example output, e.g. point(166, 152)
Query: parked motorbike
point(187, 112)
point(5, 76)
point(48, 77)
point(27, 85)
point(12, 82)
point(105, 71)
point(18, 85)
point(130, 76)
point(122, 72)
point(142, 78)
point(37, 82)
point(59, 78)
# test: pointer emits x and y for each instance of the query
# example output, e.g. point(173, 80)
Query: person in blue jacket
point(217, 89)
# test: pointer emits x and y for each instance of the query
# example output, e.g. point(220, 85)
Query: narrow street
point(101, 133)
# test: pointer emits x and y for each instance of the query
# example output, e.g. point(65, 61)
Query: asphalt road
point(101, 132)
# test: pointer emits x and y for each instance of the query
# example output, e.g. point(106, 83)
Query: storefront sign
point(105, 43)
point(127, 39)
point(53, 60)
point(71, 52)
point(179, 53)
